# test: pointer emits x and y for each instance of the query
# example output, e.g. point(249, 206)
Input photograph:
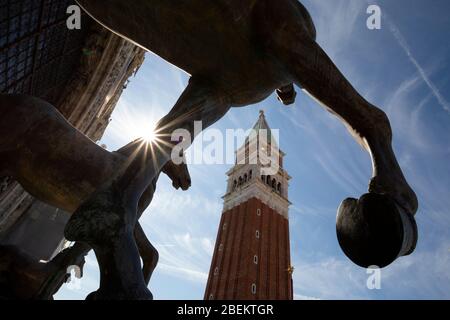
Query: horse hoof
point(374, 230)
point(287, 95)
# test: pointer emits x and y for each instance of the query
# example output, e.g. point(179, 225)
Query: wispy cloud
point(302, 297)
point(425, 274)
point(183, 225)
point(406, 48)
point(330, 279)
point(183, 272)
point(316, 125)
point(335, 23)
point(179, 226)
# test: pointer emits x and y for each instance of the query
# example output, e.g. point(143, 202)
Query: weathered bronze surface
point(237, 52)
point(240, 51)
point(59, 165)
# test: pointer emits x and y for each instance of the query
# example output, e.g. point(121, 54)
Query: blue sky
point(404, 68)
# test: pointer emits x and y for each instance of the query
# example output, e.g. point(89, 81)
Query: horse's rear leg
point(380, 226)
point(107, 224)
point(148, 252)
point(107, 219)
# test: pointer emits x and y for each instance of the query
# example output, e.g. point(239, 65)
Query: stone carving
point(237, 52)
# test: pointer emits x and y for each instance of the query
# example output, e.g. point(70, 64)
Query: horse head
point(179, 174)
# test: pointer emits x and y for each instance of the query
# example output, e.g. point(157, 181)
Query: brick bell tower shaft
point(251, 259)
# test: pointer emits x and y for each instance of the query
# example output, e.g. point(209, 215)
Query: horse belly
point(50, 158)
point(194, 35)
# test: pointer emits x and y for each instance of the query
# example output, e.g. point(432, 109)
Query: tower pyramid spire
point(262, 124)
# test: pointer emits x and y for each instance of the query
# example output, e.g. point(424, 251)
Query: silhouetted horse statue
point(59, 165)
point(238, 52)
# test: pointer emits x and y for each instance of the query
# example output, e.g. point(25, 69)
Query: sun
point(149, 135)
point(134, 123)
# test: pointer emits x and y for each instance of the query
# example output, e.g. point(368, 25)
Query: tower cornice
point(251, 258)
point(260, 191)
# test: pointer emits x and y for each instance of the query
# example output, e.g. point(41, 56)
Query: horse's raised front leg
point(380, 226)
point(199, 102)
point(107, 219)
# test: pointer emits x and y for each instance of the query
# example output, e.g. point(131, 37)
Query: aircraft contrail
point(404, 45)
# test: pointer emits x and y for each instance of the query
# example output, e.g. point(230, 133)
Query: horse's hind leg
point(74, 256)
point(380, 226)
point(106, 221)
point(148, 253)
point(107, 224)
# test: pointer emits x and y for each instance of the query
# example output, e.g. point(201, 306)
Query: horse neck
point(131, 148)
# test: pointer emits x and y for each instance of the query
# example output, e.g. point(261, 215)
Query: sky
point(403, 68)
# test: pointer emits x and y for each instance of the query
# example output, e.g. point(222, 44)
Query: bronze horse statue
point(59, 165)
point(237, 53)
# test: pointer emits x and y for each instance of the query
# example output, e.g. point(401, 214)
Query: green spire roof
point(262, 124)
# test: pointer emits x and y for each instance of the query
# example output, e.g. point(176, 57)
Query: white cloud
point(183, 273)
point(302, 297)
point(330, 279)
point(183, 225)
point(404, 45)
point(335, 23)
point(179, 225)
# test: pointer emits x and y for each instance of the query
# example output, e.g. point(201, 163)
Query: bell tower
point(251, 259)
